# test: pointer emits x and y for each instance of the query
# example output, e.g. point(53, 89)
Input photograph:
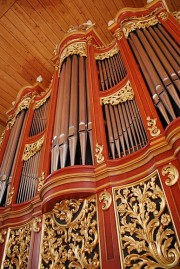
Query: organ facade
point(89, 174)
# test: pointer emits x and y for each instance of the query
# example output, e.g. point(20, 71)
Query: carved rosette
point(17, 247)
point(74, 48)
point(145, 229)
point(70, 237)
point(99, 156)
point(172, 174)
point(163, 15)
point(119, 34)
point(154, 131)
point(108, 54)
point(31, 149)
point(124, 94)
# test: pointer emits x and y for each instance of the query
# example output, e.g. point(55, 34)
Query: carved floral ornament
point(10, 196)
point(145, 229)
point(31, 149)
point(124, 94)
point(176, 15)
point(108, 54)
point(17, 247)
point(35, 224)
point(106, 198)
point(41, 182)
point(2, 234)
point(151, 123)
point(172, 174)
point(39, 103)
point(99, 156)
point(70, 236)
point(74, 48)
point(163, 15)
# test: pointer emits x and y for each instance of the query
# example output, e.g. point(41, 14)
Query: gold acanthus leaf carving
point(39, 103)
point(99, 156)
point(31, 149)
point(146, 233)
point(124, 94)
point(154, 131)
point(163, 15)
point(176, 15)
point(71, 241)
point(17, 248)
point(41, 181)
point(10, 196)
point(24, 104)
point(108, 54)
point(2, 234)
point(35, 226)
point(106, 198)
point(119, 34)
point(138, 24)
point(172, 172)
point(74, 48)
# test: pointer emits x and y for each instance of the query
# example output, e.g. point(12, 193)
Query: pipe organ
point(89, 167)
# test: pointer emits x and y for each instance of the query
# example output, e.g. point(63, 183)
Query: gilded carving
point(70, 236)
point(74, 48)
point(154, 131)
point(39, 103)
point(35, 225)
point(143, 22)
point(163, 15)
point(106, 198)
point(17, 248)
point(124, 94)
point(176, 15)
point(107, 54)
point(24, 104)
point(118, 34)
point(31, 149)
point(10, 196)
point(41, 182)
point(172, 174)
point(145, 229)
point(99, 156)
point(2, 234)
point(82, 27)
point(2, 137)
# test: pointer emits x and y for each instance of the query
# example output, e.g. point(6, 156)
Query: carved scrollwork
point(35, 226)
point(82, 27)
point(70, 237)
point(176, 15)
point(99, 156)
point(119, 34)
point(154, 131)
point(41, 181)
point(172, 172)
point(2, 234)
point(2, 137)
point(163, 15)
point(138, 24)
point(31, 149)
point(146, 233)
point(108, 54)
point(124, 94)
point(10, 196)
point(106, 198)
point(74, 48)
point(39, 103)
point(17, 248)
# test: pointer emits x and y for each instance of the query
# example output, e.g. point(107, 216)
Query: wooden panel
point(30, 30)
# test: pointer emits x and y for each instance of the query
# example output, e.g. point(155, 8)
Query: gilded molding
point(99, 156)
point(70, 235)
point(108, 54)
point(163, 15)
point(145, 228)
point(119, 34)
point(176, 15)
point(24, 104)
point(154, 131)
point(39, 103)
point(31, 149)
point(2, 234)
point(41, 181)
point(124, 94)
point(142, 23)
point(17, 247)
point(106, 198)
point(172, 174)
point(35, 226)
point(10, 196)
point(74, 48)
